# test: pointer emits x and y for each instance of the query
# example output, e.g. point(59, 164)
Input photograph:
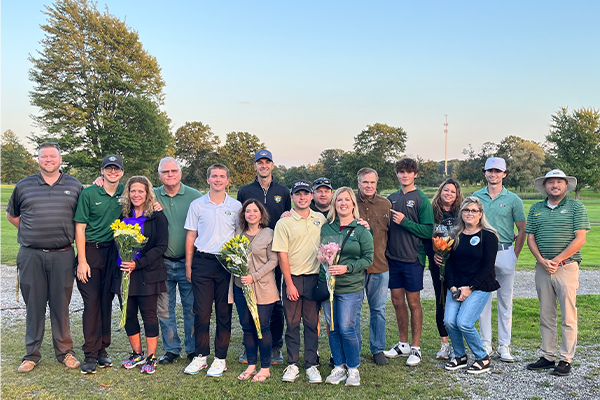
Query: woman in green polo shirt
point(356, 256)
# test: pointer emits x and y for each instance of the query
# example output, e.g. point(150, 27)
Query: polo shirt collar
point(59, 181)
point(560, 204)
point(118, 192)
point(163, 192)
point(503, 192)
point(297, 216)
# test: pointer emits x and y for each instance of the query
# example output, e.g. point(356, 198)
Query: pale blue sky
point(310, 76)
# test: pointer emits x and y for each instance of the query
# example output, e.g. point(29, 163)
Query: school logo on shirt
point(317, 223)
point(120, 200)
point(277, 199)
point(563, 212)
point(67, 192)
point(352, 234)
point(474, 241)
point(502, 205)
point(228, 213)
point(410, 203)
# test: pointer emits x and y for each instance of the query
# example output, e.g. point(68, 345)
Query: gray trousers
point(304, 309)
point(46, 278)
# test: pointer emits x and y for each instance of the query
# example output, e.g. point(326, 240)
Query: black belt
point(67, 247)
point(174, 259)
point(205, 255)
point(567, 261)
point(98, 244)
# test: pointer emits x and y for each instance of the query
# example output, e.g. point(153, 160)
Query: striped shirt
point(46, 211)
point(554, 229)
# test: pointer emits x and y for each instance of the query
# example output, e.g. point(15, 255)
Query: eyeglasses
point(112, 168)
point(471, 211)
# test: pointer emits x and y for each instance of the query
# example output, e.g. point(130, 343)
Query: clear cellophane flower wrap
point(442, 242)
point(130, 241)
point(328, 254)
point(234, 258)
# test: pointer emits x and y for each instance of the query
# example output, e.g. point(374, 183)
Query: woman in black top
point(148, 271)
point(471, 277)
point(446, 204)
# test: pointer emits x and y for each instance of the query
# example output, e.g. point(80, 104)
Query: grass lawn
point(49, 380)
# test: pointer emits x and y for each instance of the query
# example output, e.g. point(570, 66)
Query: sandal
point(479, 366)
point(456, 363)
point(261, 377)
point(244, 376)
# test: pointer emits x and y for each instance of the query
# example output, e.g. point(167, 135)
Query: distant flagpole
point(446, 147)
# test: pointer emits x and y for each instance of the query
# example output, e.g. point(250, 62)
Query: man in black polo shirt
point(98, 272)
point(41, 207)
point(277, 200)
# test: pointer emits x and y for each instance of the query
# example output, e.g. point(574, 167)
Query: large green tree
point(17, 163)
point(524, 159)
point(239, 150)
point(575, 140)
point(94, 82)
point(469, 171)
point(197, 147)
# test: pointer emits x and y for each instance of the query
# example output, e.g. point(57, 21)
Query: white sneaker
point(444, 353)
point(399, 350)
point(217, 367)
point(353, 377)
point(338, 374)
point(197, 364)
point(313, 375)
point(291, 373)
point(414, 358)
point(488, 349)
point(504, 353)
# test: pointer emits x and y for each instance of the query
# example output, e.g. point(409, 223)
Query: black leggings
point(147, 306)
point(437, 287)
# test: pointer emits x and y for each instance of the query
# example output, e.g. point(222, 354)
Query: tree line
point(100, 92)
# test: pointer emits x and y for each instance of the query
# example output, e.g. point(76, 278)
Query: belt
point(504, 246)
point(174, 259)
point(567, 261)
point(202, 254)
point(67, 247)
point(98, 244)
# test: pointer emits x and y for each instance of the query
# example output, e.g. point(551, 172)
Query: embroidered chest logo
point(352, 234)
point(474, 241)
point(410, 203)
point(317, 223)
point(536, 214)
point(563, 211)
point(502, 205)
point(228, 213)
point(277, 199)
point(120, 200)
point(67, 192)
point(98, 203)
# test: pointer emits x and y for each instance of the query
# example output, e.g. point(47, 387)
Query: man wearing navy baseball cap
point(276, 199)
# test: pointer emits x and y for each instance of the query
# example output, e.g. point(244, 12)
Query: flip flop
point(244, 376)
point(261, 377)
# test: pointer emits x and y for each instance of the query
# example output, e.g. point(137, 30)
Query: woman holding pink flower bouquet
point(355, 255)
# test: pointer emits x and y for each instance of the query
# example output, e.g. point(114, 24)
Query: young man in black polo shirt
point(41, 207)
point(97, 271)
point(277, 200)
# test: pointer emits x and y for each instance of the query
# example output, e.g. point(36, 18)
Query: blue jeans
point(376, 288)
point(251, 341)
point(460, 317)
point(343, 340)
point(166, 309)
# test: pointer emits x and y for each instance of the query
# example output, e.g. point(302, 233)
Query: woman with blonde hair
point(471, 277)
point(147, 270)
point(355, 256)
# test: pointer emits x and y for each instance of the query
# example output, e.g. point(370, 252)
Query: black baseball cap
point(301, 184)
point(112, 159)
point(322, 182)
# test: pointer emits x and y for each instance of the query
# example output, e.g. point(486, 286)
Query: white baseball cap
point(555, 173)
point(495, 163)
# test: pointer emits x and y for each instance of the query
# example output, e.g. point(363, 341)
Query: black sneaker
point(380, 359)
point(276, 356)
point(104, 360)
point(562, 369)
point(542, 363)
point(168, 358)
point(88, 366)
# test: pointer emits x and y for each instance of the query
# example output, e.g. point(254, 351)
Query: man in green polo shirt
point(556, 230)
point(175, 199)
point(504, 210)
point(97, 270)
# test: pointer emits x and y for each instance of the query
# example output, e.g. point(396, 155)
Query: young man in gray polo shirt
point(504, 210)
point(41, 207)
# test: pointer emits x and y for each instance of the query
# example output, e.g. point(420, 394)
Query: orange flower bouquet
point(442, 244)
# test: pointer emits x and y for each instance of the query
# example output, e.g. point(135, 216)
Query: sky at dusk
point(308, 76)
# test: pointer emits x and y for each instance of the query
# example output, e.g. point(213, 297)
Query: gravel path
point(507, 381)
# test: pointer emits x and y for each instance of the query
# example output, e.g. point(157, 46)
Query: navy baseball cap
point(264, 153)
point(301, 184)
point(112, 159)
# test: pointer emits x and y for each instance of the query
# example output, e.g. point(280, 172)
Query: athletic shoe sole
point(213, 375)
point(134, 365)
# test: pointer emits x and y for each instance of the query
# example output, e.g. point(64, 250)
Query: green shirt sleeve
point(365, 240)
point(424, 228)
point(82, 214)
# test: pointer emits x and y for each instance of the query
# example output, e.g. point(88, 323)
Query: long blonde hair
point(483, 222)
point(150, 199)
point(333, 213)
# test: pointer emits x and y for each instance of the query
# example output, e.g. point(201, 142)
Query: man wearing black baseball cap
point(322, 195)
point(276, 199)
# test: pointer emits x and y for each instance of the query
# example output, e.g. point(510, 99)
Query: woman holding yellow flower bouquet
point(148, 272)
point(254, 224)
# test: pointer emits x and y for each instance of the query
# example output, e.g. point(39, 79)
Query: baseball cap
point(264, 153)
point(301, 184)
point(322, 182)
point(495, 163)
point(112, 159)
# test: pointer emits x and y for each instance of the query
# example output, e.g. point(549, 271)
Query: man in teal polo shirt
point(175, 199)
point(97, 269)
point(556, 229)
point(503, 210)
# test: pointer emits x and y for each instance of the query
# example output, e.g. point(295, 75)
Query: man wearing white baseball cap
point(556, 230)
point(503, 210)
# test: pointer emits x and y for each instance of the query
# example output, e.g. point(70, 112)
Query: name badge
point(474, 241)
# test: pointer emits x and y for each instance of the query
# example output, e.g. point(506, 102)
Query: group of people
point(383, 242)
